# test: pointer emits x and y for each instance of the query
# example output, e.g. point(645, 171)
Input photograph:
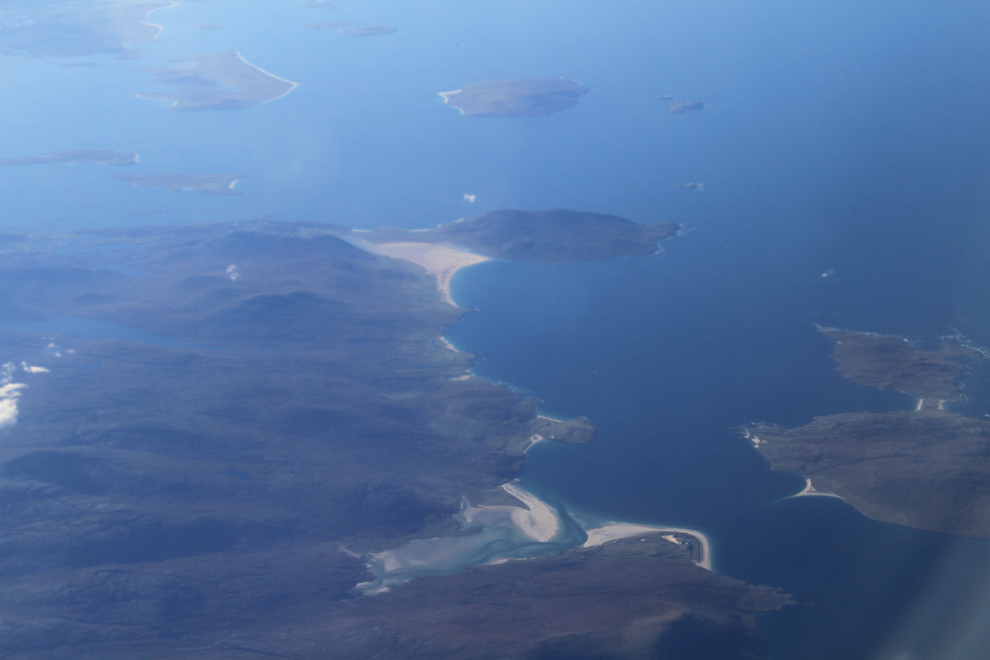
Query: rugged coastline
point(302, 417)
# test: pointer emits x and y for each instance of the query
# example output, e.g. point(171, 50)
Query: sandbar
point(442, 260)
point(613, 531)
point(539, 523)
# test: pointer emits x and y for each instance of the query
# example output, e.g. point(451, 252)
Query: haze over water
point(844, 154)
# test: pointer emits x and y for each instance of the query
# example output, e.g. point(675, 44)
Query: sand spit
point(442, 260)
point(809, 491)
point(613, 531)
point(539, 523)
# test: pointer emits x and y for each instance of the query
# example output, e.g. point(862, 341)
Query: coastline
point(809, 491)
point(272, 75)
point(614, 531)
point(447, 96)
point(541, 522)
point(155, 25)
point(442, 260)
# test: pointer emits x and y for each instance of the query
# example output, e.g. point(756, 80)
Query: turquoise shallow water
point(837, 138)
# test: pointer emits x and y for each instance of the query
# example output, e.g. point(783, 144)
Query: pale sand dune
point(613, 531)
point(441, 260)
point(540, 522)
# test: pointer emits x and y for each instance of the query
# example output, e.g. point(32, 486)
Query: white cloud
point(470, 198)
point(10, 392)
point(33, 370)
point(233, 273)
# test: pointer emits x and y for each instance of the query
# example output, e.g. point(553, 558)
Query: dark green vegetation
point(214, 499)
point(892, 363)
point(554, 237)
point(928, 469)
point(522, 98)
point(81, 156)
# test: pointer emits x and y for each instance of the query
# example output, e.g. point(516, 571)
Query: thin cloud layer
point(10, 392)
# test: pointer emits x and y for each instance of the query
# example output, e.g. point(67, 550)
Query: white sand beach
point(540, 522)
point(613, 531)
point(272, 75)
point(447, 96)
point(441, 260)
point(156, 25)
point(809, 491)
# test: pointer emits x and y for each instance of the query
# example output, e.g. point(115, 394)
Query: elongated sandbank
point(539, 523)
point(613, 531)
point(442, 260)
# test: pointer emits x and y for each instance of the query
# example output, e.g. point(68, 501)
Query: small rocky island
point(353, 29)
point(80, 156)
point(537, 97)
point(928, 468)
point(217, 184)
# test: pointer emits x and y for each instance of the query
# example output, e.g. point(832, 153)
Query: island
point(80, 156)
point(894, 363)
point(927, 468)
point(220, 81)
point(217, 184)
point(536, 97)
point(677, 107)
point(87, 27)
point(214, 449)
point(354, 29)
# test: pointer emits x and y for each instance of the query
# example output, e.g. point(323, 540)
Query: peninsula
point(554, 237)
point(928, 468)
point(537, 97)
point(220, 81)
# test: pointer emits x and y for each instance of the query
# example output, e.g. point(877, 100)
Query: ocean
point(844, 151)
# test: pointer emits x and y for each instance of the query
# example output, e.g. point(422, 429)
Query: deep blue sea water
point(838, 137)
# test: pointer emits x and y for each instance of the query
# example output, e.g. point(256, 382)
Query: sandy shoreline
point(448, 95)
point(809, 491)
point(614, 531)
point(272, 75)
point(441, 260)
point(539, 523)
point(155, 25)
